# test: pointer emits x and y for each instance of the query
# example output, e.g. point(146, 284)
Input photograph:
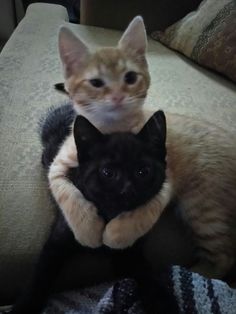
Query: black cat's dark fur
point(117, 172)
point(61, 245)
point(54, 127)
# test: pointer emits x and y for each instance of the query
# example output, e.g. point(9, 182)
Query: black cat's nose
point(126, 188)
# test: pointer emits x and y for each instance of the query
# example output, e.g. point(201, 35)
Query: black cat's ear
point(154, 132)
point(85, 134)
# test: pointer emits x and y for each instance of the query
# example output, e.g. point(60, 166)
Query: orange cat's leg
point(124, 230)
point(214, 250)
point(217, 269)
point(80, 214)
point(211, 233)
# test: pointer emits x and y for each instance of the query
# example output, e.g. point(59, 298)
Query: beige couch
point(29, 66)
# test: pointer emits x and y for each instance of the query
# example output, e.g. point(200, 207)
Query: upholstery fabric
point(29, 67)
point(190, 292)
point(207, 36)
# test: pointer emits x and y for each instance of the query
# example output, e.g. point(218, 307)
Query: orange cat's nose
point(117, 99)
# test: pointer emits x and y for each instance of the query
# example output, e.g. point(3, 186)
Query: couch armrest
point(157, 14)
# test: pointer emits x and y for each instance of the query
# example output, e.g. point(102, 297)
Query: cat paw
point(118, 234)
point(90, 233)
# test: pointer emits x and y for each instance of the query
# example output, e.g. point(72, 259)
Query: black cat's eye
point(97, 82)
point(143, 172)
point(108, 173)
point(131, 77)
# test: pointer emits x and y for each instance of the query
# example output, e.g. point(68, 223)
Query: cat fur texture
point(201, 158)
point(108, 87)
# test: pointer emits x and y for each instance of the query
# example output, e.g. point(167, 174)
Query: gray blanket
point(192, 292)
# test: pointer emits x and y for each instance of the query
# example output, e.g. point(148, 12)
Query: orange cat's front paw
point(90, 232)
point(119, 234)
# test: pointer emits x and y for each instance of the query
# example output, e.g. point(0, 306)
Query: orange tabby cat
point(109, 87)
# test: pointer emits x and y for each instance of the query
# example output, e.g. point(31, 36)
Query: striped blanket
point(192, 293)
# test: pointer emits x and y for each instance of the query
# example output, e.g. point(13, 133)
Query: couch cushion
point(29, 66)
point(28, 73)
point(207, 36)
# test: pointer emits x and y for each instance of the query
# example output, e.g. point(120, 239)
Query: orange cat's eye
point(131, 77)
point(97, 82)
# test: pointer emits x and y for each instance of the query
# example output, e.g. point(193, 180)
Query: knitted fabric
point(193, 293)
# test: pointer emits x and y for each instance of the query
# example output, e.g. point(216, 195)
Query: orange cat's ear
point(73, 52)
point(134, 37)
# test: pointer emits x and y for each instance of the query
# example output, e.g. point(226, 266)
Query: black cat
point(116, 171)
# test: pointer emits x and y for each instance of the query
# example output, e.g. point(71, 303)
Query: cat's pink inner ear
point(134, 37)
point(73, 52)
